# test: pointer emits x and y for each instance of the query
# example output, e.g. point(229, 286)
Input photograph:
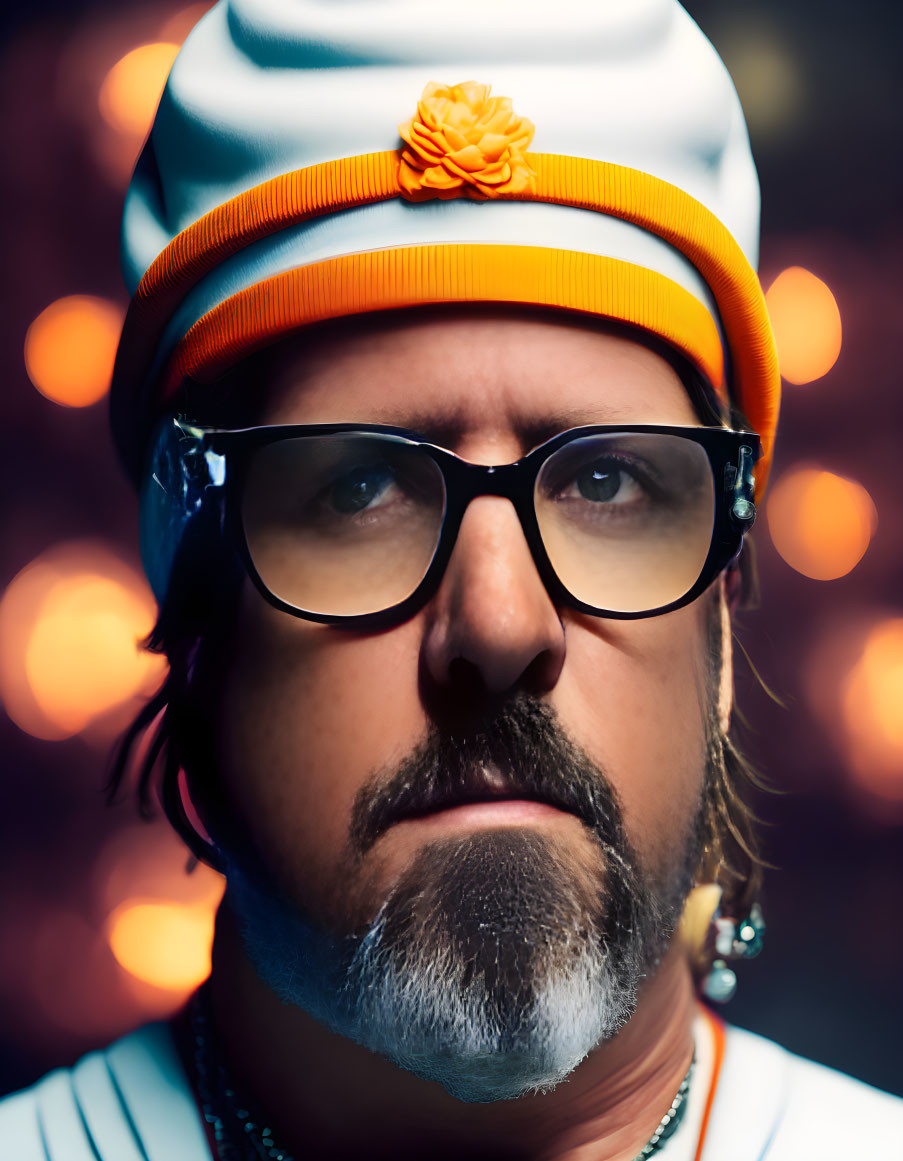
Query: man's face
point(317, 727)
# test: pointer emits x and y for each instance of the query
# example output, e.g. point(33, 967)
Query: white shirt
point(750, 1100)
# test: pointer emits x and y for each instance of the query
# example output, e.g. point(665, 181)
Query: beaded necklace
point(239, 1135)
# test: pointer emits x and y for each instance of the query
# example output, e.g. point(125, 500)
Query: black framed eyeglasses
point(355, 523)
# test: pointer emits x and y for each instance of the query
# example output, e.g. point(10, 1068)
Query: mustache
point(519, 751)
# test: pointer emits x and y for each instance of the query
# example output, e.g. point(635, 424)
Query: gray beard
point(492, 968)
point(501, 957)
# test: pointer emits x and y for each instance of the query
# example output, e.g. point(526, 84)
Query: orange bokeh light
point(873, 711)
point(820, 523)
point(131, 90)
point(806, 324)
point(162, 943)
point(82, 652)
point(70, 348)
point(70, 627)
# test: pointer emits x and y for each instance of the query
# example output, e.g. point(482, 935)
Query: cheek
point(635, 696)
point(308, 713)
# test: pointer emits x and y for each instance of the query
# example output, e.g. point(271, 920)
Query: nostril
point(460, 697)
point(542, 672)
point(466, 681)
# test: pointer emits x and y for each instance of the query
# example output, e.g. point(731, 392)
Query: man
point(444, 480)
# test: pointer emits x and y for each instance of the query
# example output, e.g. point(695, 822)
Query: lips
point(482, 784)
point(518, 753)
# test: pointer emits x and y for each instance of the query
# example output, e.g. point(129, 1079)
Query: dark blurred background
point(100, 926)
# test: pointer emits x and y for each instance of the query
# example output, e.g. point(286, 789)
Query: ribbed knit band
point(414, 275)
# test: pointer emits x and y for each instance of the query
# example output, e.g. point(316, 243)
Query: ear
point(695, 931)
point(726, 681)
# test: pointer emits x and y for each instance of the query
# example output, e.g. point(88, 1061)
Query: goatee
point(501, 957)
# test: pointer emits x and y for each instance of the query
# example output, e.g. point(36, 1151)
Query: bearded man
point(448, 446)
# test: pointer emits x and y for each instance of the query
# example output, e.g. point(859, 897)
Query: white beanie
point(589, 155)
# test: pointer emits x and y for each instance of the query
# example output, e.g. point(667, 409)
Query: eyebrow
point(449, 426)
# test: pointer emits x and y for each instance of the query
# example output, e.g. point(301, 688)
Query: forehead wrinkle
point(517, 384)
point(451, 426)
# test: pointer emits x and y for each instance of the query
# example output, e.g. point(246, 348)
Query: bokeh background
point(101, 928)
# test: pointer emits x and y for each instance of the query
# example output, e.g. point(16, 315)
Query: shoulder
point(797, 1109)
point(128, 1102)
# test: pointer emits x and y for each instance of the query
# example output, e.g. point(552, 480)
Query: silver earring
point(733, 940)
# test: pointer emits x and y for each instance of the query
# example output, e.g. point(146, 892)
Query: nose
point(491, 624)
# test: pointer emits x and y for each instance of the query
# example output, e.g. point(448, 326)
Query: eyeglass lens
point(627, 520)
point(345, 525)
point(342, 525)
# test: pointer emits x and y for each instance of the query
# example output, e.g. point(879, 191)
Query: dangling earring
point(733, 940)
point(704, 931)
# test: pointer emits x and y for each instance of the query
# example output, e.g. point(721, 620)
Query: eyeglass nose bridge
point(513, 482)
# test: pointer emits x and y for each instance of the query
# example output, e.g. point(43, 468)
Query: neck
point(325, 1097)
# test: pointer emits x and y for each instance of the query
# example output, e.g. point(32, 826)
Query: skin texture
point(307, 713)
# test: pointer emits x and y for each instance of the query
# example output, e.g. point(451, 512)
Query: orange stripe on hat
point(646, 201)
point(410, 275)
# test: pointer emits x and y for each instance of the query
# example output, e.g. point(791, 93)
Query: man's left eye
point(361, 488)
point(606, 483)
